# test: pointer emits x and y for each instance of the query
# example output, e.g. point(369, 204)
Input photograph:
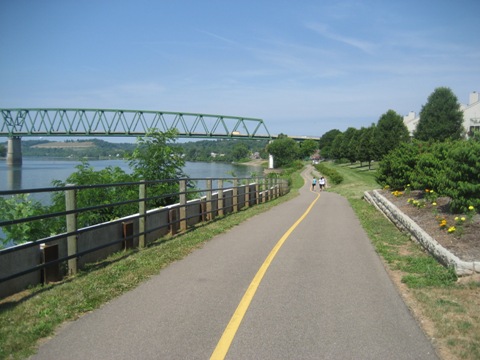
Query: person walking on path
point(314, 182)
point(322, 183)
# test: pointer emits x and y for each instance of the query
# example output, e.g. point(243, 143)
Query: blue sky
point(304, 67)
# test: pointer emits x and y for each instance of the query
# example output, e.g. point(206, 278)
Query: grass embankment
point(448, 310)
point(35, 313)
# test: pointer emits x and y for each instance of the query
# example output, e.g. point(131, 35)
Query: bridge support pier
point(14, 151)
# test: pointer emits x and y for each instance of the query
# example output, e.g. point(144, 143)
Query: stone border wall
point(404, 223)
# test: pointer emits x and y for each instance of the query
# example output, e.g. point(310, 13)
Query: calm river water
point(37, 173)
point(40, 172)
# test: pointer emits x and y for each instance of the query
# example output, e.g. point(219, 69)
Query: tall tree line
point(441, 119)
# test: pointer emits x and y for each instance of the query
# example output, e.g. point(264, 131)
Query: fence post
point(220, 197)
point(264, 190)
point(209, 200)
point(142, 212)
point(257, 190)
point(183, 205)
point(71, 219)
point(235, 195)
point(276, 187)
point(247, 194)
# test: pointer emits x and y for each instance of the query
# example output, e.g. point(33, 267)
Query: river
point(38, 172)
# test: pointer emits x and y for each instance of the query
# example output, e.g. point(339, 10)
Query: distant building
point(471, 115)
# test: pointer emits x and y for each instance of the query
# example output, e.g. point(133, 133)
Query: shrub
point(397, 167)
point(429, 171)
point(332, 174)
point(462, 171)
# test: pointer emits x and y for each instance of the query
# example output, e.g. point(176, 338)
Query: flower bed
point(429, 225)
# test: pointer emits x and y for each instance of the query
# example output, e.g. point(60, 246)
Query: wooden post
point(257, 190)
point(71, 219)
point(235, 195)
point(247, 194)
point(183, 205)
point(142, 212)
point(220, 197)
point(210, 215)
point(264, 189)
point(277, 190)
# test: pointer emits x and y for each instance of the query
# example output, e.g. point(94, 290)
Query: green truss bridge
point(21, 122)
point(103, 122)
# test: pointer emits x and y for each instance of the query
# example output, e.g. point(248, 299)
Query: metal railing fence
point(128, 214)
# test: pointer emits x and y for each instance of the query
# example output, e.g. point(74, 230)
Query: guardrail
point(50, 259)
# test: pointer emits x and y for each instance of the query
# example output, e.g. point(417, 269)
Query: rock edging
point(404, 223)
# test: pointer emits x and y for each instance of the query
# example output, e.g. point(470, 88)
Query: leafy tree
point(462, 176)
point(337, 149)
point(308, 148)
point(22, 206)
point(284, 151)
point(326, 141)
point(429, 171)
point(239, 152)
point(86, 175)
point(366, 145)
point(390, 132)
point(440, 118)
point(350, 144)
point(397, 167)
point(153, 159)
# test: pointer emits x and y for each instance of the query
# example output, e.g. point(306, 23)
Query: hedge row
point(449, 168)
point(332, 174)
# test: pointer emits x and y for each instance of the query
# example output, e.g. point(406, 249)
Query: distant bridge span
point(118, 123)
point(21, 122)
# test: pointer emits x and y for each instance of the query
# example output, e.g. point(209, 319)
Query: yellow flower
point(426, 190)
point(463, 218)
point(434, 204)
point(471, 208)
point(443, 223)
point(451, 229)
point(456, 218)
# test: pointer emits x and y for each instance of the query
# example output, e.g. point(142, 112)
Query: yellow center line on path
point(227, 337)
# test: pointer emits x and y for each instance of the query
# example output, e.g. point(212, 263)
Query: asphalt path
point(300, 281)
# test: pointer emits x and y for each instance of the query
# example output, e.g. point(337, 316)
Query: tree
point(336, 149)
point(284, 151)
point(239, 152)
point(326, 141)
point(94, 196)
point(441, 117)
point(308, 148)
point(153, 159)
point(390, 132)
point(366, 145)
point(22, 206)
point(349, 144)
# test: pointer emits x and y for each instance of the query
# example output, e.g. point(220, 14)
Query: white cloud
point(324, 31)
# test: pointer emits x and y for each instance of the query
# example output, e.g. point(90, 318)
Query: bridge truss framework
point(108, 122)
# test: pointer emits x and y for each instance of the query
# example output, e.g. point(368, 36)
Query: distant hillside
point(221, 150)
point(93, 148)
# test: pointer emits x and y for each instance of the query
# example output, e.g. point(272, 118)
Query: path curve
point(325, 295)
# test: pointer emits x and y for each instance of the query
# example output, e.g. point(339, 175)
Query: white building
point(471, 115)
